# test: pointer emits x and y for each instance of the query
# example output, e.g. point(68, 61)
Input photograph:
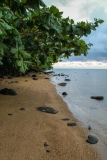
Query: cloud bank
point(81, 65)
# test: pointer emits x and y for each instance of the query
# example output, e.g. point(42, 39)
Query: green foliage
point(35, 36)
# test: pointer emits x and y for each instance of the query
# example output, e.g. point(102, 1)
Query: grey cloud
point(74, 58)
point(94, 9)
point(90, 10)
point(96, 55)
point(99, 13)
point(105, 62)
point(99, 37)
point(64, 2)
point(55, 2)
point(99, 40)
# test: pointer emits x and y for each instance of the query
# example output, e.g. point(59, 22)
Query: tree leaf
point(6, 26)
point(22, 68)
point(54, 10)
point(19, 63)
point(23, 1)
point(1, 14)
point(1, 63)
point(1, 33)
point(1, 51)
point(14, 50)
point(83, 24)
point(24, 53)
point(72, 21)
point(42, 3)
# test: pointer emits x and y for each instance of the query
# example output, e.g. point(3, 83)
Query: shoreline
point(23, 134)
point(102, 147)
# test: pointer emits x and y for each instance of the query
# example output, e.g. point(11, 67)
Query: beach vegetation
point(34, 36)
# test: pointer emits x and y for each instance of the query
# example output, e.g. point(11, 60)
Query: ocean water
point(84, 84)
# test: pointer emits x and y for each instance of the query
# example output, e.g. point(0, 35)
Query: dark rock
point(7, 91)
point(48, 150)
point(62, 74)
point(10, 77)
point(62, 84)
point(48, 72)
point(65, 119)
point(9, 114)
point(67, 80)
point(46, 144)
point(34, 78)
point(34, 75)
point(46, 78)
point(92, 139)
point(16, 82)
point(97, 97)
point(47, 110)
point(22, 109)
point(71, 124)
point(64, 93)
point(11, 82)
point(26, 80)
point(89, 127)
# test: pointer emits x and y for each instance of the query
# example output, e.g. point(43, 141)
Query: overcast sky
point(86, 10)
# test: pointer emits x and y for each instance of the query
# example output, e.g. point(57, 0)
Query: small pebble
point(34, 78)
point(10, 77)
point(10, 82)
point(16, 82)
point(48, 151)
point(64, 93)
point(71, 124)
point(89, 127)
point(45, 144)
point(22, 109)
point(9, 114)
point(34, 75)
point(65, 119)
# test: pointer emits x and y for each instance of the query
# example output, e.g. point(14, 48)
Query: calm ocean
point(84, 84)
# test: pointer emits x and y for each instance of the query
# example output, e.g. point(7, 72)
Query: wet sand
point(24, 132)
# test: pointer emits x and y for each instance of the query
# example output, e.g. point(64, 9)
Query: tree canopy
point(33, 35)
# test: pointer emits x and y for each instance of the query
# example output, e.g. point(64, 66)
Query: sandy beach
point(29, 134)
